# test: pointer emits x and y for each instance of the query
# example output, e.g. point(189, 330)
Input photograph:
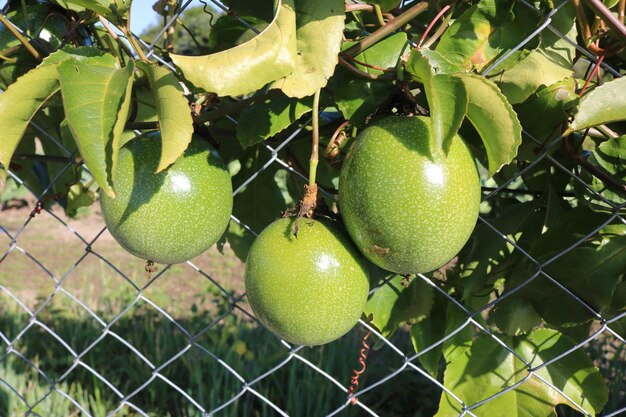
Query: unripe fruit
point(310, 289)
point(172, 216)
point(408, 211)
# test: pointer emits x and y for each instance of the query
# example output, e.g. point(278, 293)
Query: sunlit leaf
point(485, 32)
point(494, 119)
point(446, 96)
point(93, 90)
point(114, 10)
point(547, 65)
point(605, 104)
point(122, 116)
point(488, 369)
point(173, 112)
point(319, 31)
point(544, 111)
point(18, 105)
point(249, 66)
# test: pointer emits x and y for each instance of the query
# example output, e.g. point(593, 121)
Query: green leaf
point(122, 117)
point(545, 110)
point(443, 319)
point(79, 54)
point(18, 105)
point(356, 97)
point(319, 31)
point(485, 32)
point(494, 119)
point(591, 270)
point(488, 369)
point(114, 10)
point(485, 260)
point(78, 197)
point(605, 104)
point(610, 157)
point(246, 68)
point(260, 202)
point(172, 108)
point(521, 81)
point(515, 315)
point(93, 90)
point(393, 304)
point(265, 119)
point(547, 65)
point(446, 96)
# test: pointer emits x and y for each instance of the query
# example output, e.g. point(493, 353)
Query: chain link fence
point(238, 389)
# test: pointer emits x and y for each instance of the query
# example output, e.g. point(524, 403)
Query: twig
point(593, 73)
point(430, 26)
point(360, 73)
point(359, 8)
point(6, 58)
point(620, 10)
point(390, 27)
point(115, 36)
point(440, 30)
point(364, 64)
point(613, 22)
point(29, 47)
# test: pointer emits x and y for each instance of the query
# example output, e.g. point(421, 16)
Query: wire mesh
point(237, 384)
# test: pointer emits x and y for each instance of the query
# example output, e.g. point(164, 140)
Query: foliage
point(552, 145)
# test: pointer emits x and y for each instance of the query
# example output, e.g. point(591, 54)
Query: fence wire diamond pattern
point(238, 385)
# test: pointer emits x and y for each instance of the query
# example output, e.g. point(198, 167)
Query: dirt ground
point(52, 248)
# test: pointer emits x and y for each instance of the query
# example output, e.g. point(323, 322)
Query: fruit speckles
point(394, 195)
point(308, 290)
point(172, 216)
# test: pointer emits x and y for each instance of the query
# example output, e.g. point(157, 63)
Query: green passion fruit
point(408, 211)
point(172, 216)
point(310, 289)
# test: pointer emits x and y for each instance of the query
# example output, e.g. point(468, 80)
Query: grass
point(250, 350)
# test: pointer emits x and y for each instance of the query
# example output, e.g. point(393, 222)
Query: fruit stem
point(315, 142)
point(390, 27)
point(20, 37)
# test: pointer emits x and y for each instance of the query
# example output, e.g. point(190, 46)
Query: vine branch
point(390, 27)
point(29, 47)
point(607, 16)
